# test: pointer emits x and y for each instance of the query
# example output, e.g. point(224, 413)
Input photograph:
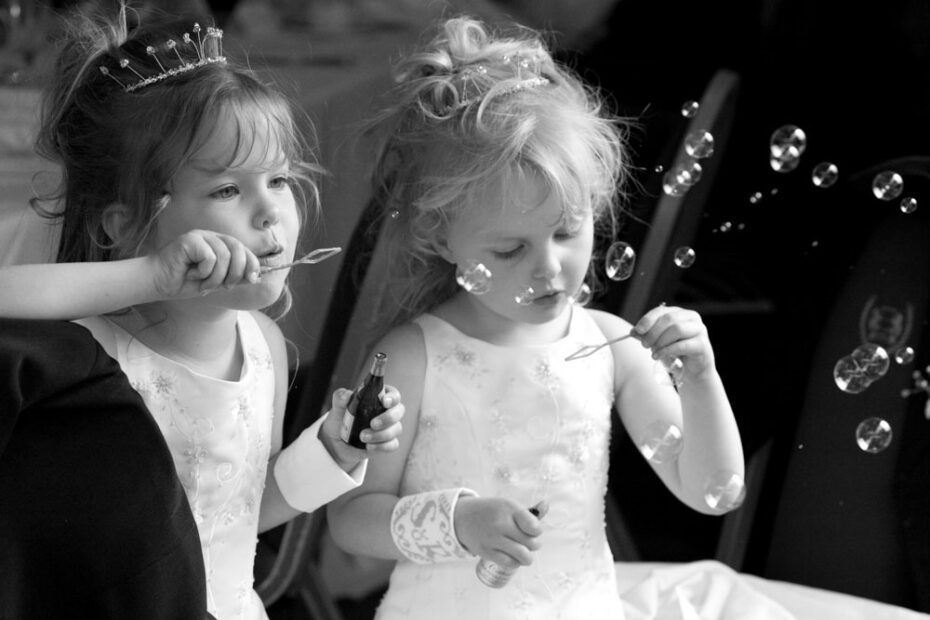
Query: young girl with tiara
point(182, 209)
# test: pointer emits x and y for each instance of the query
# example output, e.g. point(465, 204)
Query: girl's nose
point(268, 214)
point(548, 266)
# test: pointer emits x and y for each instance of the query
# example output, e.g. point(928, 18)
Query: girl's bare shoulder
point(612, 325)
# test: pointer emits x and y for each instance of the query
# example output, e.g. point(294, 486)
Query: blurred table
point(334, 77)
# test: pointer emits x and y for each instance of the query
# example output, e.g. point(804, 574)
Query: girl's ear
point(116, 218)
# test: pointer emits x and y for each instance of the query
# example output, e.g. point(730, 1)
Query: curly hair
point(471, 110)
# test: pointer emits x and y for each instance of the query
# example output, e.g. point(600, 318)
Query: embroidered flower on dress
point(496, 445)
point(504, 474)
point(159, 384)
point(542, 373)
point(578, 455)
point(462, 359)
point(195, 456)
point(523, 602)
point(244, 407)
point(498, 419)
point(586, 540)
point(428, 421)
point(260, 359)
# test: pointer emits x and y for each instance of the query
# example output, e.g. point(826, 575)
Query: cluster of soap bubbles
point(888, 185)
point(786, 145)
point(476, 279)
point(661, 442)
point(857, 371)
point(679, 179)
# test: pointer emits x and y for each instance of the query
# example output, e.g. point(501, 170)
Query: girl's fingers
point(238, 259)
point(200, 255)
point(517, 552)
point(381, 446)
point(379, 434)
point(390, 396)
point(528, 523)
point(221, 265)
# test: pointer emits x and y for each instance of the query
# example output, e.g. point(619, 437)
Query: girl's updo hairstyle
point(472, 111)
point(119, 147)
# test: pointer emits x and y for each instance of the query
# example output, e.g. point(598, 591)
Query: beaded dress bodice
point(219, 433)
point(522, 423)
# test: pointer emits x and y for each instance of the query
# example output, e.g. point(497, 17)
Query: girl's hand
point(675, 332)
point(383, 436)
point(498, 529)
point(200, 261)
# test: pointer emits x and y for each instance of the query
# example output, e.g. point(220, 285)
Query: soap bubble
point(620, 261)
point(873, 359)
point(684, 257)
point(849, 377)
point(787, 141)
point(887, 185)
point(583, 296)
point(475, 278)
point(660, 442)
point(908, 205)
point(904, 355)
point(669, 371)
point(699, 144)
point(873, 435)
point(690, 108)
point(724, 491)
point(825, 174)
point(525, 296)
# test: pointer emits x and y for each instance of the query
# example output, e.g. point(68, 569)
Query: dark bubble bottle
point(496, 575)
point(365, 404)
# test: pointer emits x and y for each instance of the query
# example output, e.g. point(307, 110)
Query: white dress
point(519, 423)
point(219, 433)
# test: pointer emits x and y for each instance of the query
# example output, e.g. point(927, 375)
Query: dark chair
point(845, 519)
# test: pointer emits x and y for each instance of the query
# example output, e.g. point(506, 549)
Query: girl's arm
point(74, 290)
point(711, 444)
point(193, 264)
point(323, 466)
point(362, 520)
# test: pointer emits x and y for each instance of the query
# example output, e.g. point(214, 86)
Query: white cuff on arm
point(308, 476)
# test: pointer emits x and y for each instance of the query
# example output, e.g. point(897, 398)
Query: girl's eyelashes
point(507, 254)
point(279, 182)
point(225, 193)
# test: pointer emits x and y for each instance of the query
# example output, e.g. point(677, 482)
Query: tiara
point(472, 76)
point(513, 88)
point(205, 56)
